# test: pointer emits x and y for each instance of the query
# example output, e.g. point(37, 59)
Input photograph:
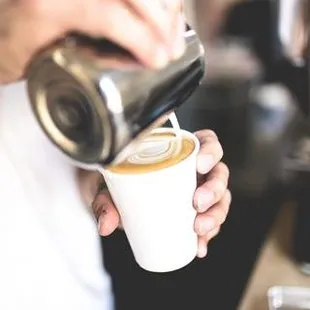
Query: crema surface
point(159, 151)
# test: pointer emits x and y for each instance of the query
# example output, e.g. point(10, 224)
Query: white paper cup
point(157, 212)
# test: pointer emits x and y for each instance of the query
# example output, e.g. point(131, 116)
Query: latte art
point(158, 151)
point(155, 149)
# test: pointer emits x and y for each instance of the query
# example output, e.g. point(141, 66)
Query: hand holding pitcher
point(26, 27)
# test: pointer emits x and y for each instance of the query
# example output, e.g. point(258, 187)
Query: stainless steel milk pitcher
point(94, 101)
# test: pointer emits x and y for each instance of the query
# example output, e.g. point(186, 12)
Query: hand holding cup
point(211, 199)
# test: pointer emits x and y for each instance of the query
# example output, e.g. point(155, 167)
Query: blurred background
point(255, 96)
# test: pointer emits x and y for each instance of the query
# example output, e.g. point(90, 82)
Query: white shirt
point(50, 255)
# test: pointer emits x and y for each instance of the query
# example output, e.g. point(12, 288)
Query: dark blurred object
point(255, 124)
point(293, 34)
point(290, 62)
point(301, 245)
point(272, 128)
point(252, 50)
point(271, 120)
point(275, 33)
point(292, 30)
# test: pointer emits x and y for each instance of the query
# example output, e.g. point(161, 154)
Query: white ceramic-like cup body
point(157, 212)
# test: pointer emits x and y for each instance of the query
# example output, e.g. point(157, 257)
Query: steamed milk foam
point(160, 150)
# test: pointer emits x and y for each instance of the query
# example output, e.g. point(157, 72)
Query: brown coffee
point(159, 151)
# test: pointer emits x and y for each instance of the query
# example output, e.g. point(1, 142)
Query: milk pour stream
point(176, 126)
point(156, 149)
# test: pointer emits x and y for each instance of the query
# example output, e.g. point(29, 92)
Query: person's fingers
point(106, 213)
point(210, 152)
point(202, 248)
point(159, 17)
point(211, 234)
point(213, 189)
point(178, 41)
point(204, 240)
point(178, 27)
point(115, 21)
point(214, 217)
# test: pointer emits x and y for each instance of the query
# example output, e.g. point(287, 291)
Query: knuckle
point(228, 197)
point(219, 215)
point(223, 216)
point(209, 133)
point(215, 232)
point(219, 188)
point(206, 133)
point(224, 170)
point(220, 150)
point(220, 212)
point(211, 146)
point(219, 178)
point(224, 209)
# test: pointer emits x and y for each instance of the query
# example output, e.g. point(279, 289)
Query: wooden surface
point(274, 266)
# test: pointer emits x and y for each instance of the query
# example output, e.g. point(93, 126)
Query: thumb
point(105, 213)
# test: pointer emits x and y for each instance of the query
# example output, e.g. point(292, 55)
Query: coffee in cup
point(159, 151)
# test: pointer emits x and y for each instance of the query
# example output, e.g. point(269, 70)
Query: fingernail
point(204, 163)
point(202, 251)
point(162, 58)
point(204, 201)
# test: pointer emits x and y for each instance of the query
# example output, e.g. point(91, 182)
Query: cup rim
point(159, 130)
